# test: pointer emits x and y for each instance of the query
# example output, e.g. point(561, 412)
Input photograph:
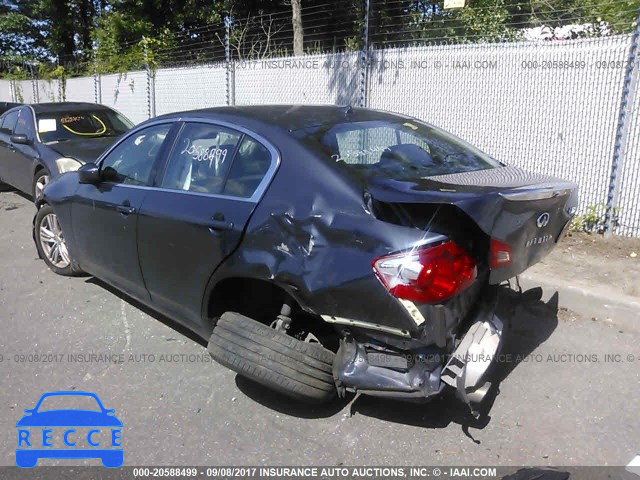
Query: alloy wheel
point(52, 241)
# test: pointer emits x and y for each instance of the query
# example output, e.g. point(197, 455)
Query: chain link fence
point(549, 107)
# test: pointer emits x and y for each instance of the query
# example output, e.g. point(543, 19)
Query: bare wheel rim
point(40, 184)
point(52, 241)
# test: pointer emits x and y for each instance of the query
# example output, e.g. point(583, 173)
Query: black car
point(41, 141)
point(319, 249)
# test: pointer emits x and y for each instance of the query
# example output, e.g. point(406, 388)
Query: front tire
point(40, 180)
point(297, 369)
point(51, 244)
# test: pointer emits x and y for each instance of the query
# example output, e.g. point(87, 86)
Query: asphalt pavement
point(560, 399)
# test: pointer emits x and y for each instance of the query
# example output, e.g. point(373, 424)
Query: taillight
point(427, 275)
point(500, 254)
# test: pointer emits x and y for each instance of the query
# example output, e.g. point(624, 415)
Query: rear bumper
point(404, 376)
point(369, 368)
point(467, 367)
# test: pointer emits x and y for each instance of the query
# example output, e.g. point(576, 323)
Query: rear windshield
point(401, 150)
point(74, 125)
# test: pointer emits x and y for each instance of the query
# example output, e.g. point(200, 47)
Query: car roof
point(290, 117)
point(66, 106)
point(7, 106)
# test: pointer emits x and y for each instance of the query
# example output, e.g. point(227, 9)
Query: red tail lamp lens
point(500, 254)
point(427, 275)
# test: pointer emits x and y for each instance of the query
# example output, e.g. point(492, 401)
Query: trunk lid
point(526, 211)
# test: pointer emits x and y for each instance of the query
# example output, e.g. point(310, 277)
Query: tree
point(20, 37)
point(77, 32)
point(298, 32)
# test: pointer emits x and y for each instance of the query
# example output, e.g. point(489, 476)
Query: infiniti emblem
point(542, 220)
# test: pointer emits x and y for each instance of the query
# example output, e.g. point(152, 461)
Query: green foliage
point(85, 36)
point(593, 220)
point(19, 36)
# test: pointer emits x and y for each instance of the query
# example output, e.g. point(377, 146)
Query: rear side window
point(201, 158)
point(249, 167)
point(9, 122)
point(401, 150)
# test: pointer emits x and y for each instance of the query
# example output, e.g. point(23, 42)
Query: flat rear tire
point(297, 369)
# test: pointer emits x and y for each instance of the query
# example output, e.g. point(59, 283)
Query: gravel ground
point(559, 402)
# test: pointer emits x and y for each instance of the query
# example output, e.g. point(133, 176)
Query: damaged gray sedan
point(318, 249)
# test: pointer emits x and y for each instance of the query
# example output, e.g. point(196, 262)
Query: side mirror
point(20, 139)
point(89, 173)
point(29, 410)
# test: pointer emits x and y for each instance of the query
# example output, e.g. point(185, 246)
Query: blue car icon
point(36, 434)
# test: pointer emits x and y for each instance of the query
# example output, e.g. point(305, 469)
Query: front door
point(105, 215)
point(8, 152)
point(24, 156)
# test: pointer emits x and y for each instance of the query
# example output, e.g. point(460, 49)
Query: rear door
point(105, 216)
point(210, 186)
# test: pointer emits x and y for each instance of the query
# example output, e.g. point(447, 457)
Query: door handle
point(220, 225)
point(218, 222)
point(125, 209)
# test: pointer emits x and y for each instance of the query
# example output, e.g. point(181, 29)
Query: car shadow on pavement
point(538, 474)
point(285, 405)
point(152, 313)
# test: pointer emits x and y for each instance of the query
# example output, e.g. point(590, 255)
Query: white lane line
point(127, 332)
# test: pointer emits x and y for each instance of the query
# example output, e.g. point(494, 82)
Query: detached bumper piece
point(468, 364)
point(365, 369)
point(372, 369)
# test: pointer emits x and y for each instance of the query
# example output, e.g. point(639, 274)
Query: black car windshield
point(401, 150)
point(74, 125)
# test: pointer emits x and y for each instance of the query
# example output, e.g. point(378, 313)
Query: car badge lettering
point(538, 240)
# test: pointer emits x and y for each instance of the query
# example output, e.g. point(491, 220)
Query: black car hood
point(84, 150)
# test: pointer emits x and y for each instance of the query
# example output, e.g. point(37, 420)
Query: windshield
point(74, 125)
point(69, 402)
point(402, 150)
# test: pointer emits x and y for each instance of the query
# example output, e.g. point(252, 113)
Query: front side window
point(201, 158)
point(80, 124)
point(24, 125)
point(131, 161)
point(9, 122)
point(401, 150)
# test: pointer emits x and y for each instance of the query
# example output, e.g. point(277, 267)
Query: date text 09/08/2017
point(323, 472)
